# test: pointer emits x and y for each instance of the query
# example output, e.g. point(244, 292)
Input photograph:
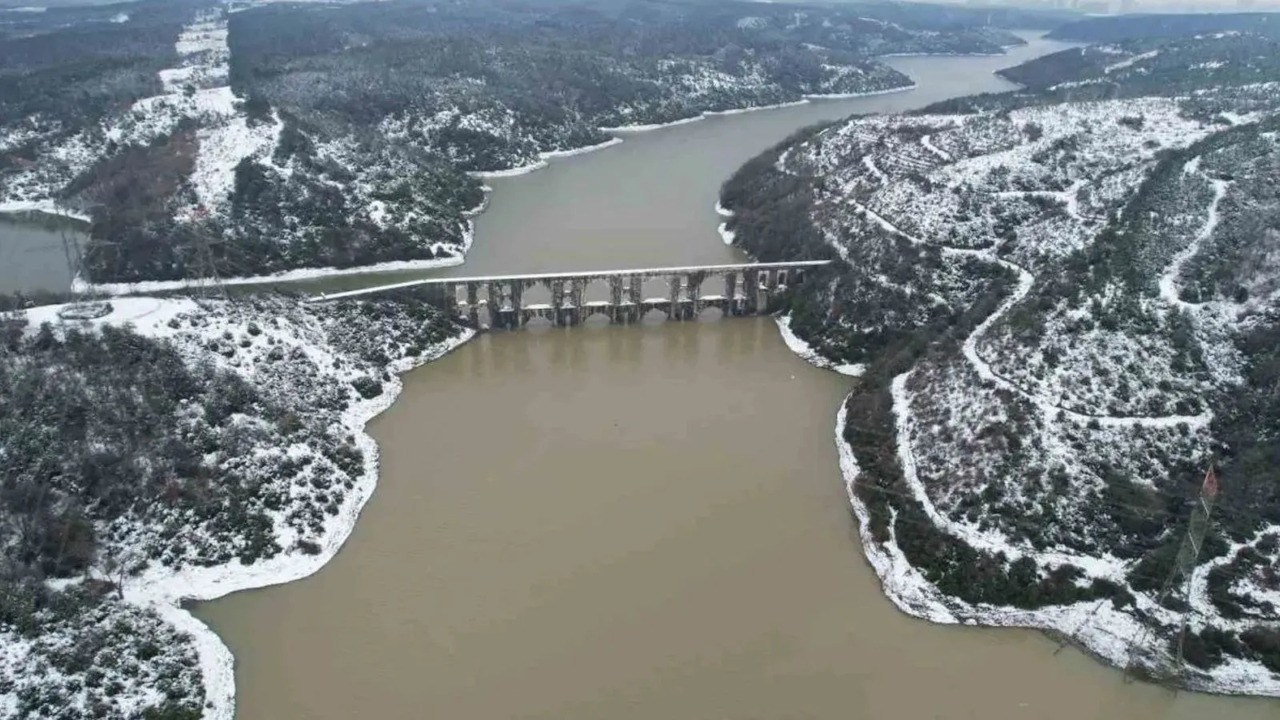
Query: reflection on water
point(32, 254)
point(545, 350)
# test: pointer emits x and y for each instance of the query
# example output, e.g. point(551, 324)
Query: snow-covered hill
point(322, 136)
point(1029, 288)
point(228, 452)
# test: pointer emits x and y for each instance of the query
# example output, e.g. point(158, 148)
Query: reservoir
point(616, 523)
point(32, 252)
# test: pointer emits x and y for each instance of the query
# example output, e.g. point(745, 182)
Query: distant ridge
point(1128, 27)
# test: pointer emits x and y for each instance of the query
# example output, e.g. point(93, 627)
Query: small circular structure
point(85, 311)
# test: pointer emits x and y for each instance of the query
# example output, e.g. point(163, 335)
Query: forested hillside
point(1135, 68)
point(1066, 301)
point(1155, 26)
point(248, 139)
point(170, 450)
point(65, 76)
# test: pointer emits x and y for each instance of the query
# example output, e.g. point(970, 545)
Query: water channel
point(609, 523)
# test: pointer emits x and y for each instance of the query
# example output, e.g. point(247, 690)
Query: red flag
point(1209, 490)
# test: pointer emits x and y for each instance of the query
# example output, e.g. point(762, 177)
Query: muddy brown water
point(649, 522)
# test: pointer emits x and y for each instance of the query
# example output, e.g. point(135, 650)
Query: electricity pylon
point(205, 266)
point(1180, 575)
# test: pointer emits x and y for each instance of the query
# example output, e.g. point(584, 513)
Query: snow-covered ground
point(272, 332)
point(227, 137)
point(1097, 626)
point(154, 286)
point(802, 348)
point(197, 90)
point(727, 235)
point(1169, 290)
point(1045, 389)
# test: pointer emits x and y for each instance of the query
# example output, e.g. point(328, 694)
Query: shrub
point(368, 387)
point(171, 711)
point(1264, 643)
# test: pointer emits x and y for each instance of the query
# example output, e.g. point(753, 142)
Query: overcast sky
point(1136, 6)
point(1115, 5)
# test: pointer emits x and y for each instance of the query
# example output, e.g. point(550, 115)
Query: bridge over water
point(498, 301)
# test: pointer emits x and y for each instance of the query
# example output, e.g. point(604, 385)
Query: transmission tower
point(81, 307)
point(204, 265)
point(71, 251)
point(1181, 574)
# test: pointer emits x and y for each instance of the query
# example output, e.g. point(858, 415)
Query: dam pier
point(500, 301)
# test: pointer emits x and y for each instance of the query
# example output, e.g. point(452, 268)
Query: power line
point(1179, 577)
point(1136, 512)
point(1181, 574)
point(204, 264)
point(929, 524)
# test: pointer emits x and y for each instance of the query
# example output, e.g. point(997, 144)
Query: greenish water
point(32, 252)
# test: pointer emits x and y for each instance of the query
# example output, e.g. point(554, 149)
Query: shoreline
point(1096, 627)
point(926, 55)
point(1087, 626)
point(43, 207)
point(813, 357)
point(169, 593)
point(870, 93)
point(1093, 627)
point(804, 100)
point(78, 285)
point(540, 163)
point(727, 235)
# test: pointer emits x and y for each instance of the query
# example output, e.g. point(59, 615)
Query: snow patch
point(1129, 62)
point(221, 149)
point(1169, 279)
point(79, 285)
point(726, 234)
point(48, 207)
point(803, 349)
point(638, 128)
